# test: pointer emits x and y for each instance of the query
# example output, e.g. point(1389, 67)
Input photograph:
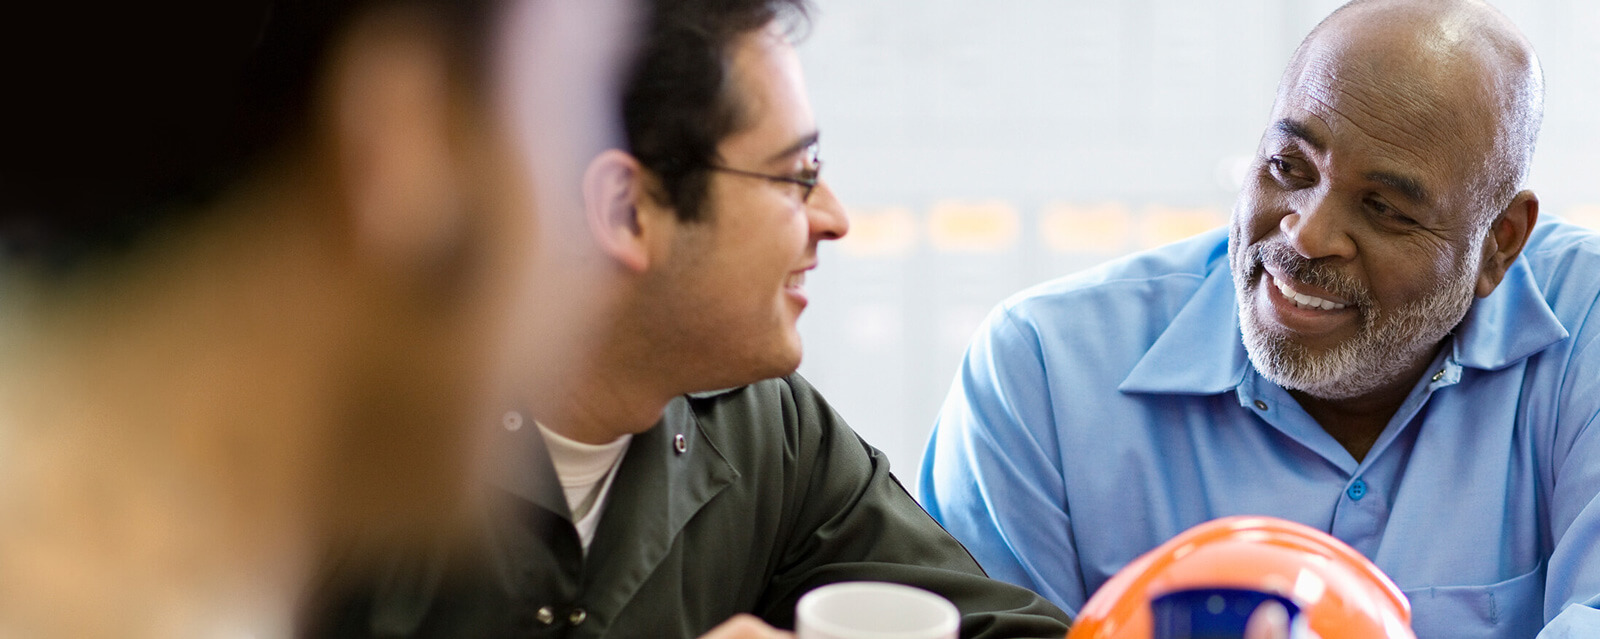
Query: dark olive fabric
point(773, 495)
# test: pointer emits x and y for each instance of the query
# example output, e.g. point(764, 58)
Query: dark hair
point(125, 115)
point(677, 104)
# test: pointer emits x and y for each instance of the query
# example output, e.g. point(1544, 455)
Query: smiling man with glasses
point(686, 481)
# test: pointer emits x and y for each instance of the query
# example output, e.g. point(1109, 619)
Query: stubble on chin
point(1387, 342)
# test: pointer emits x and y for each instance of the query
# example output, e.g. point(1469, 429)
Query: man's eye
point(1382, 209)
point(1283, 170)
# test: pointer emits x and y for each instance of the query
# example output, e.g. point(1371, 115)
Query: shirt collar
point(1202, 351)
point(1509, 325)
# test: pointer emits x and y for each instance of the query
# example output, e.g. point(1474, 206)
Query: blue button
point(1357, 490)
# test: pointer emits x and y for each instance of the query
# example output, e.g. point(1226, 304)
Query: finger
point(1269, 621)
point(743, 626)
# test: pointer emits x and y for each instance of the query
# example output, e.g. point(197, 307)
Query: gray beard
point(1386, 344)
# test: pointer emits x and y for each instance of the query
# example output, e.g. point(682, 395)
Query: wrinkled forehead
point(1412, 97)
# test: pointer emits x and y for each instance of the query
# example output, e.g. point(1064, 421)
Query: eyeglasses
point(807, 178)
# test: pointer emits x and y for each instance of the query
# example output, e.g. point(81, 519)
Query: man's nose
point(826, 214)
point(1317, 228)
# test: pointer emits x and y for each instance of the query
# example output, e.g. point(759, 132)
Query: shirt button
point(578, 616)
point(1357, 490)
point(1438, 376)
point(546, 615)
point(680, 443)
point(1260, 405)
point(512, 420)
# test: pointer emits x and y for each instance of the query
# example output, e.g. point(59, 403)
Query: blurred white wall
point(986, 145)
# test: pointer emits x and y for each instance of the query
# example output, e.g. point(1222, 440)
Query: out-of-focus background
point(982, 146)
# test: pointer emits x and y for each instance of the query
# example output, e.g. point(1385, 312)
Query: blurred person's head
point(1386, 193)
point(712, 216)
point(264, 263)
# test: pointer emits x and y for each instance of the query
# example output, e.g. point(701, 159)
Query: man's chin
point(787, 366)
point(1333, 374)
point(1296, 381)
point(1281, 359)
point(768, 366)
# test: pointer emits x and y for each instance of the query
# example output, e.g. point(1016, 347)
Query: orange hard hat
point(1207, 580)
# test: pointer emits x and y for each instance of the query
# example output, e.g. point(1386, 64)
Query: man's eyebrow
point(1407, 186)
point(798, 146)
point(1299, 130)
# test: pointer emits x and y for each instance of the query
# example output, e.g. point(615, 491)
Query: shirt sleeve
point(852, 520)
point(1578, 621)
point(991, 473)
point(1572, 592)
point(1572, 589)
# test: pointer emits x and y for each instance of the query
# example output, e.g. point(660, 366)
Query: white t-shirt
point(586, 471)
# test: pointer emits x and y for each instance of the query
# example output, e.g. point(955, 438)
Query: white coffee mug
point(875, 610)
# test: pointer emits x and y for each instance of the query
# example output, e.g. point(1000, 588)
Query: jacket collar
point(658, 489)
point(1202, 351)
point(521, 466)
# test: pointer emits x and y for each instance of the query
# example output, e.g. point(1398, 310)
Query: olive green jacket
point(769, 496)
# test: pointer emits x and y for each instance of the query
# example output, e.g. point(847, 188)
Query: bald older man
point(1383, 345)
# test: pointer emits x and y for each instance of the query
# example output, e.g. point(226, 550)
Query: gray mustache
point(1316, 272)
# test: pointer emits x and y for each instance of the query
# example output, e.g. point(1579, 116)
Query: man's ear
point(389, 113)
point(1507, 235)
point(615, 188)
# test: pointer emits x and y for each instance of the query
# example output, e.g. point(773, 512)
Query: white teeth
point(796, 280)
point(1305, 301)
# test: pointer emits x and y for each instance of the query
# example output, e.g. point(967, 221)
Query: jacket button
point(578, 616)
point(545, 615)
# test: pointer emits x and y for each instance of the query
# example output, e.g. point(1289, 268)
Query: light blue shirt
point(1098, 415)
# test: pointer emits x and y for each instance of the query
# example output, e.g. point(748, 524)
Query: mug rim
point(945, 622)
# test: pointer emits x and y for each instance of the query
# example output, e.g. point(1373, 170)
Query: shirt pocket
point(1511, 608)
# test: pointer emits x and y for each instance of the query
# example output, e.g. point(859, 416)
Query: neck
point(606, 404)
point(1358, 421)
point(619, 387)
